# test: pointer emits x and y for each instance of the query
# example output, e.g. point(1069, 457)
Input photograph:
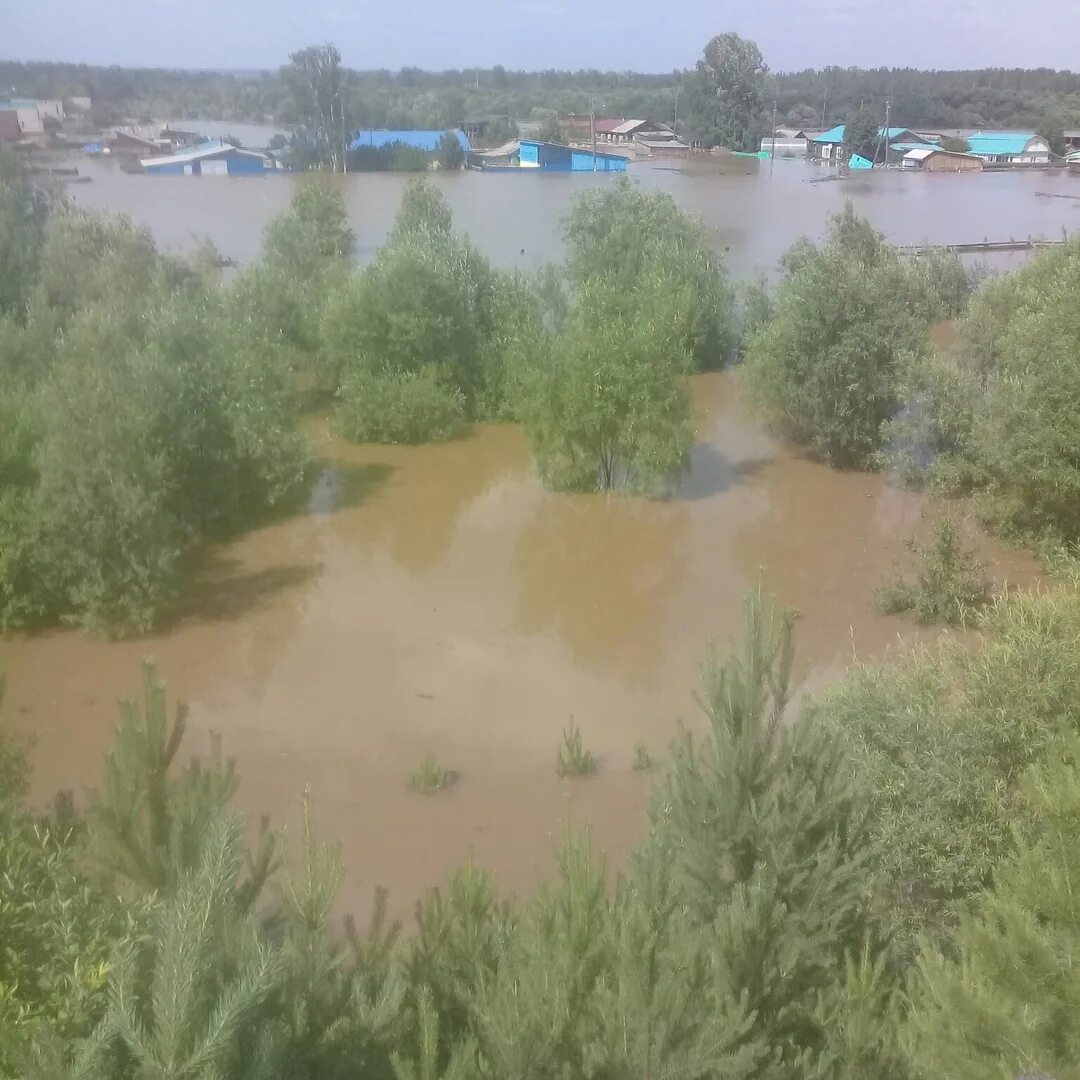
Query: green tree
point(608, 409)
point(450, 154)
point(23, 211)
point(861, 134)
point(767, 837)
point(726, 91)
point(311, 238)
point(1004, 1001)
point(1051, 127)
point(423, 208)
point(848, 316)
point(314, 81)
point(630, 239)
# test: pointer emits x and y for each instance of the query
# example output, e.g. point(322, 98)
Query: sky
point(638, 35)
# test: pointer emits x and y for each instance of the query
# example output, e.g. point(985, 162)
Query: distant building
point(213, 158)
point(481, 128)
point(1072, 139)
point(9, 126)
point(829, 145)
point(934, 159)
point(555, 157)
point(789, 142)
point(174, 138)
point(26, 111)
point(80, 104)
point(654, 144)
point(127, 144)
point(1009, 147)
point(426, 140)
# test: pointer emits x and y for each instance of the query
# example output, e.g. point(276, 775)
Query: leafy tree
point(423, 208)
point(726, 91)
point(450, 154)
point(400, 407)
point(861, 134)
point(22, 222)
point(1005, 1001)
point(608, 409)
point(629, 239)
point(938, 743)
point(314, 81)
point(848, 316)
point(312, 237)
point(1051, 127)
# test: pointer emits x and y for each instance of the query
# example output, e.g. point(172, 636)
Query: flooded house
point(1009, 147)
point(787, 142)
point(420, 138)
point(9, 126)
point(214, 158)
point(934, 159)
point(829, 145)
point(555, 157)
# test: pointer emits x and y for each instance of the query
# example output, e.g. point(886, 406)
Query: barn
point(213, 158)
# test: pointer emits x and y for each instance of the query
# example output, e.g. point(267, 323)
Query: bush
point(608, 409)
point(949, 584)
point(626, 239)
point(430, 777)
point(848, 319)
point(573, 759)
point(403, 407)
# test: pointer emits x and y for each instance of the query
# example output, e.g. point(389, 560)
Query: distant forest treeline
point(415, 98)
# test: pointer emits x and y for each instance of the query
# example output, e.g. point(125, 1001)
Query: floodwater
point(437, 599)
point(753, 211)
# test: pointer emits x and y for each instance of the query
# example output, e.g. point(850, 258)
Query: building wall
point(951, 163)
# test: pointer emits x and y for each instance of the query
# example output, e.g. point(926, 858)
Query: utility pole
point(824, 102)
point(592, 130)
point(887, 114)
point(772, 156)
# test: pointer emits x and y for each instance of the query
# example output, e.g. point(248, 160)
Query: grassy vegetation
point(572, 758)
point(642, 760)
point(948, 583)
point(430, 777)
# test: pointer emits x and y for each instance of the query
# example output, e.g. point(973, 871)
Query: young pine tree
point(761, 828)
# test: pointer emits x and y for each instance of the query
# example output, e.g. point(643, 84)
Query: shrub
point(403, 407)
point(573, 759)
point(949, 584)
point(430, 777)
point(848, 316)
point(642, 760)
point(626, 239)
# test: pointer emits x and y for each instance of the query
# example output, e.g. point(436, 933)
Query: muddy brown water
point(753, 212)
point(438, 600)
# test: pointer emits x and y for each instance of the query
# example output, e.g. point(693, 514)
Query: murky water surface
point(753, 212)
point(437, 599)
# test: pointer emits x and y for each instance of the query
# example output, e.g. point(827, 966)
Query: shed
point(555, 157)
point(426, 140)
point(123, 142)
point(789, 142)
point(1009, 147)
point(26, 109)
point(212, 159)
point(934, 159)
point(661, 148)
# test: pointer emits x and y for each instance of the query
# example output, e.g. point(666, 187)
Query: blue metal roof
point(836, 134)
point(422, 140)
point(1000, 142)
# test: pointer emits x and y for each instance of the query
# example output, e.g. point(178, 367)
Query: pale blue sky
point(642, 35)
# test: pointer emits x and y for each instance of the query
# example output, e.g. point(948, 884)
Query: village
point(575, 142)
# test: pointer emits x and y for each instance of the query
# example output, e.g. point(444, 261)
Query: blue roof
point(1000, 142)
point(904, 147)
point(579, 150)
point(857, 161)
point(422, 140)
point(836, 134)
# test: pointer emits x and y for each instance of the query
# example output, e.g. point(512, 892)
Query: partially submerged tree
point(861, 135)
point(725, 93)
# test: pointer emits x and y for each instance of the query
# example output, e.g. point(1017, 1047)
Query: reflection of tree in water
point(600, 572)
point(422, 490)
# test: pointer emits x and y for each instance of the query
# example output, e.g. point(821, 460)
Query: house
point(80, 104)
point(26, 111)
point(555, 157)
point(174, 138)
point(1010, 147)
point(648, 145)
point(934, 159)
point(829, 145)
point(9, 126)
point(128, 144)
point(1072, 139)
point(427, 141)
point(788, 142)
point(481, 128)
point(213, 158)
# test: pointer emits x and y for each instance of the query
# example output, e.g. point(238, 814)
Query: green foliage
point(849, 315)
point(22, 220)
point(312, 237)
point(642, 761)
point(450, 154)
point(938, 742)
point(640, 244)
point(726, 93)
point(949, 583)
point(400, 407)
point(430, 777)
point(423, 208)
point(861, 134)
point(607, 408)
point(1005, 1003)
point(1051, 127)
point(572, 758)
